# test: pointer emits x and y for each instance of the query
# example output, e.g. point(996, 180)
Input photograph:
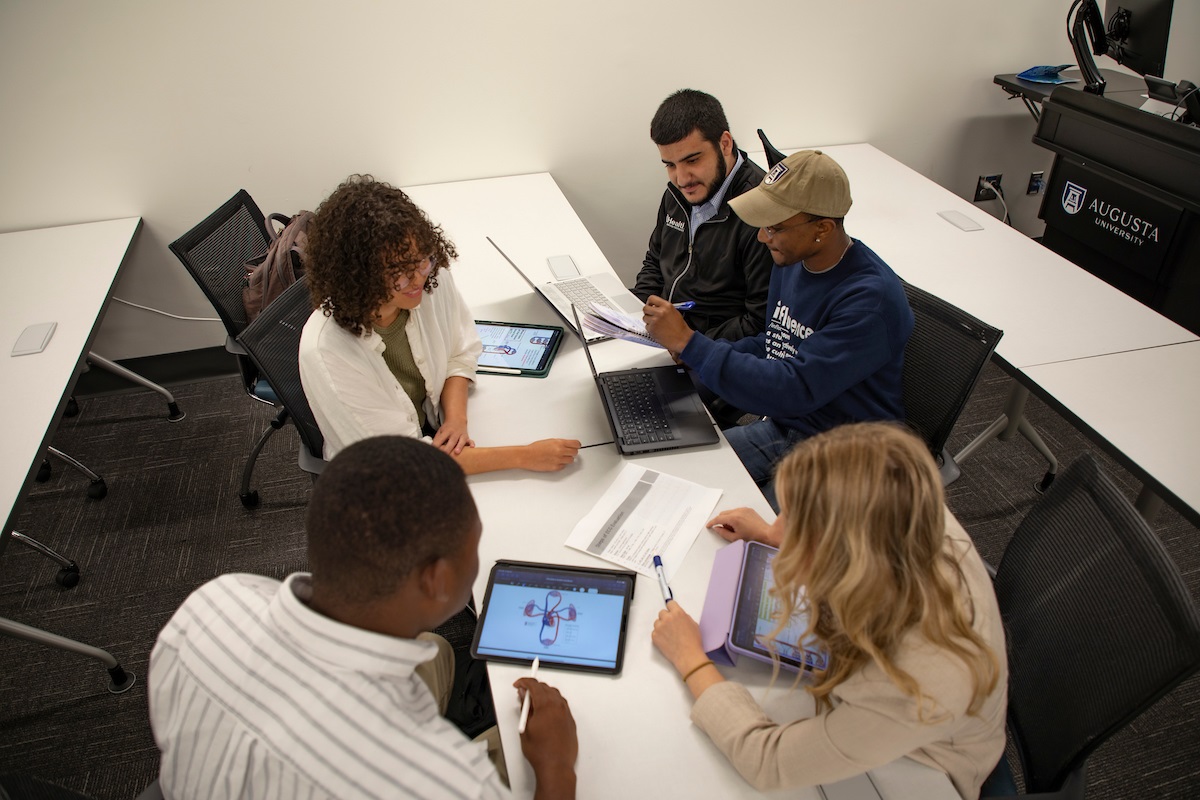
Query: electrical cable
point(1000, 196)
point(167, 313)
point(1179, 103)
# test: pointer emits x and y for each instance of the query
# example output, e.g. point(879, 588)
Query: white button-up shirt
point(255, 695)
point(352, 392)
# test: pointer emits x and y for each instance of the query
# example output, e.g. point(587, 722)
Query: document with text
point(643, 514)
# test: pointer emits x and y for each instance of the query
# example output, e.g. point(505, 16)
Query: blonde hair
point(863, 553)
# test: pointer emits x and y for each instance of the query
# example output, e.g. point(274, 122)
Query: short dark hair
point(383, 508)
point(685, 111)
point(354, 239)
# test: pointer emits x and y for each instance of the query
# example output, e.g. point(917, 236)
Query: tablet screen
point(568, 617)
point(756, 612)
point(508, 346)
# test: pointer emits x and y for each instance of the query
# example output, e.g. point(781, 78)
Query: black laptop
point(654, 408)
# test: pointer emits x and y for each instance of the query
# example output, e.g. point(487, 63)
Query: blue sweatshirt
point(832, 353)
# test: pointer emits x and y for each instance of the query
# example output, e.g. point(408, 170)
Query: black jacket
point(729, 269)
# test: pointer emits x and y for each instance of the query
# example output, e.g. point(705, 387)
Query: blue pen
point(667, 594)
point(686, 306)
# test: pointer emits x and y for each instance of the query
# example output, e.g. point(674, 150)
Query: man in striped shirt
point(328, 685)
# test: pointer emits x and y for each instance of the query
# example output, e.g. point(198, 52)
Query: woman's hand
point(677, 636)
point(452, 437)
point(745, 524)
point(549, 455)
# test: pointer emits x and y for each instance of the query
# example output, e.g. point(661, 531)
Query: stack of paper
point(617, 324)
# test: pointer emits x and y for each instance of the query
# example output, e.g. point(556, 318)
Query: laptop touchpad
point(629, 304)
point(684, 403)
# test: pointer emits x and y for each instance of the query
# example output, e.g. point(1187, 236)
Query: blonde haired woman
point(896, 594)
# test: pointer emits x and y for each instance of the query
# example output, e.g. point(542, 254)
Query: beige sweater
point(872, 721)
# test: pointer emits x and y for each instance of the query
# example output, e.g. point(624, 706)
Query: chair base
point(68, 574)
point(120, 680)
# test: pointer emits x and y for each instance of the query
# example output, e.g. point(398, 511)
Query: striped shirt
point(254, 694)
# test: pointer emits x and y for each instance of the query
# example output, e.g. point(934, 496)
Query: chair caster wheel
point(98, 489)
point(250, 499)
point(43, 473)
point(68, 577)
point(72, 408)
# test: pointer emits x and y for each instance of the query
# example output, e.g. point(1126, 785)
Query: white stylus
point(525, 702)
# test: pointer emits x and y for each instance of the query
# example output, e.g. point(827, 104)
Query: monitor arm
point(1088, 24)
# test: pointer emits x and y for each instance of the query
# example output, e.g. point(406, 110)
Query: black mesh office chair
point(1099, 623)
point(773, 155)
point(943, 360)
point(273, 343)
point(215, 253)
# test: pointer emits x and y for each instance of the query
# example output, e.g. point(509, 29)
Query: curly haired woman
point(391, 347)
point(895, 593)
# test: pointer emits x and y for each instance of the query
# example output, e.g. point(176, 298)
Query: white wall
point(164, 109)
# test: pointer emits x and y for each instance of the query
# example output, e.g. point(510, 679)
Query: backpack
point(278, 268)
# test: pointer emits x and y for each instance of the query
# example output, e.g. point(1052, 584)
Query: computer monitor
point(1137, 34)
point(1134, 35)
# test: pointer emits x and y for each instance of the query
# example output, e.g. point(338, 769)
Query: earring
point(818, 240)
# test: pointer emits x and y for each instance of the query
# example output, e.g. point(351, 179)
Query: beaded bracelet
point(697, 669)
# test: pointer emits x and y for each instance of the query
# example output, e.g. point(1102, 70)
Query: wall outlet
point(1037, 182)
point(983, 191)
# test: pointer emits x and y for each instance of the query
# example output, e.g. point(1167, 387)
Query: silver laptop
point(651, 408)
point(603, 288)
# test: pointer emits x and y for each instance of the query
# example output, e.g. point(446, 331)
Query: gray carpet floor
point(172, 520)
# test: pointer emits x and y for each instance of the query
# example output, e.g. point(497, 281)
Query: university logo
point(1072, 199)
point(777, 172)
point(676, 224)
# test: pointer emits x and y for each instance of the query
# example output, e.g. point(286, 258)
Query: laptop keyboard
point(581, 292)
point(639, 414)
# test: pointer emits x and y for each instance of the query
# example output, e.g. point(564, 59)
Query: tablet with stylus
point(567, 617)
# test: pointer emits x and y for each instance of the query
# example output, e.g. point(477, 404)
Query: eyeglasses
point(771, 230)
point(406, 279)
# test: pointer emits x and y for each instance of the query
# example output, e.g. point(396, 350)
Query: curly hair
point(362, 239)
point(863, 553)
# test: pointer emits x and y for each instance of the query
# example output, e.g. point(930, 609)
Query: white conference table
point(1049, 309)
point(1053, 314)
point(62, 275)
point(1143, 404)
point(636, 738)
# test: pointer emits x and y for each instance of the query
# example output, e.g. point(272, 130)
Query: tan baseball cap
point(808, 182)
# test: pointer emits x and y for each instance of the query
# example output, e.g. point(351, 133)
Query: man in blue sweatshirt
point(837, 322)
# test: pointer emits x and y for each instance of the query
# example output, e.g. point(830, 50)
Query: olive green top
point(398, 355)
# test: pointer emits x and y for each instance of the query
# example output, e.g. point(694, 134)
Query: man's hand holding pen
point(665, 324)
